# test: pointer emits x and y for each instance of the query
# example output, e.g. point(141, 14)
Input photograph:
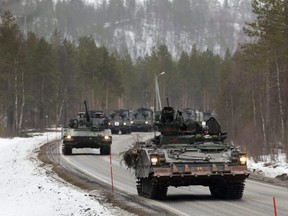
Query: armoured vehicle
point(187, 153)
point(120, 122)
point(193, 114)
point(142, 120)
point(88, 130)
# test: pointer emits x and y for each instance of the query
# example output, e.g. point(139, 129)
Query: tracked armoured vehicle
point(142, 120)
point(120, 122)
point(184, 154)
point(88, 130)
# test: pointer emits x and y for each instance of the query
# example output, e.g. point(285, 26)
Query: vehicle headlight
point(68, 136)
point(132, 122)
point(106, 137)
point(154, 160)
point(157, 158)
point(124, 123)
point(243, 159)
point(146, 122)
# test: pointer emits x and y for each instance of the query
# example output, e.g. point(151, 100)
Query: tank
point(120, 122)
point(142, 120)
point(88, 130)
point(187, 153)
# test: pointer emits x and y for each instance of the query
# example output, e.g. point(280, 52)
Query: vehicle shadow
point(187, 197)
point(193, 197)
point(87, 154)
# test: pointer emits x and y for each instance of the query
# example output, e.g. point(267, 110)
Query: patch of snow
point(270, 167)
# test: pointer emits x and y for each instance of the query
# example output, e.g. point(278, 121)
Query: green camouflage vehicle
point(184, 154)
point(120, 122)
point(142, 120)
point(88, 130)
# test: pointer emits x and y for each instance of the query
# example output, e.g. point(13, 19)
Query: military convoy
point(88, 130)
point(187, 153)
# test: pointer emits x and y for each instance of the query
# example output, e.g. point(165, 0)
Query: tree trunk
point(41, 108)
point(267, 91)
point(106, 97)
point(226, 111)
point(232, 118)
point(16, 97)
point(59, 108)
point(204, 100)
point(254, 110)
point(266, 147)
point(281, 113)
point(23, 103)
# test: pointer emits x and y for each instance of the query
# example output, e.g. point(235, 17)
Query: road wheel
point(149, 187)
point(227, 189)
point(105, 150)
point(66, 150)
point(235, 189)
point(114, 131)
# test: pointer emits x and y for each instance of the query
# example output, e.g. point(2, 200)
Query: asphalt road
point(193, 200)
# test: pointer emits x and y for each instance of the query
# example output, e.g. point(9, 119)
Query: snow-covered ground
point(27, 187)
point(270, 167)
point(30, 188)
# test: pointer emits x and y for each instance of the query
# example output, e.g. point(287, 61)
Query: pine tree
point(269, 31)
point(10, 54)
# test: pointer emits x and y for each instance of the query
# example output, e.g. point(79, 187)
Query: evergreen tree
point(269, 31)
point(30, 47)
point(184, 73)
point(10, 54)
point(46, 82)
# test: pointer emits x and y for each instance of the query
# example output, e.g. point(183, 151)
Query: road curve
point(193, 200)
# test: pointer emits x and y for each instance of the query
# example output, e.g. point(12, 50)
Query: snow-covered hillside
point(138, 26)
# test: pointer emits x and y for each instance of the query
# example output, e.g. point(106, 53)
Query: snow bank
point(28, 188)
point(270, 167)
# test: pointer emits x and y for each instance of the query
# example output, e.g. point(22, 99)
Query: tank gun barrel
point(86, 112)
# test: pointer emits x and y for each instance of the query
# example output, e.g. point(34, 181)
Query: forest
point(44, 82)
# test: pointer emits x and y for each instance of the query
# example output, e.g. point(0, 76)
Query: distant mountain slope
point(137, 26)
